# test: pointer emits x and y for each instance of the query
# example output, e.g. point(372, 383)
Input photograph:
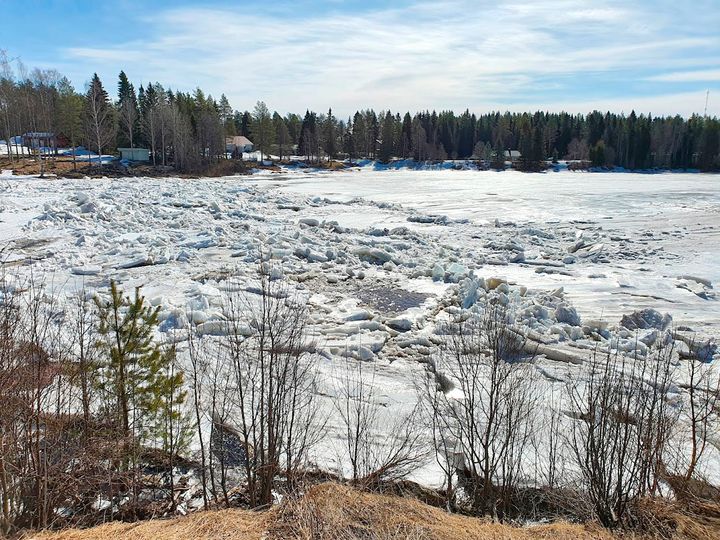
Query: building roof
point(512, 153)
point(38, 135)
point(238, 140)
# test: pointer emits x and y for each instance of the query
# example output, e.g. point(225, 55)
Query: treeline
point(182, 130)
point(188, 130)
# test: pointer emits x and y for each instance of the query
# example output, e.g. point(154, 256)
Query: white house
point(239, 143)
point(512, 155)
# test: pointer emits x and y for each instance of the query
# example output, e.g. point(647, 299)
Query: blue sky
point(657, 57)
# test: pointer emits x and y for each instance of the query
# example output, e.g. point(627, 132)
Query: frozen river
point(670, 221)
point(385, 258)
point(615, 242)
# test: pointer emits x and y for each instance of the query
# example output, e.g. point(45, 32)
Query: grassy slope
point(330, 511)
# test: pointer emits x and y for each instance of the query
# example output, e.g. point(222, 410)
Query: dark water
point(390, 300)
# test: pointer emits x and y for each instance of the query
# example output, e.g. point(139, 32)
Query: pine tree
point(225, 111)
point(139, 377)
point(70, 114)
point(262, 128)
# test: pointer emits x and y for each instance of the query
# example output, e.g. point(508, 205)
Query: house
point(238, 143)
point(39, 139)
point(512, 155)
point(134, 154)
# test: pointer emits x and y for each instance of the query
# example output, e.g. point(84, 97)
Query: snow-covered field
point(385, 256)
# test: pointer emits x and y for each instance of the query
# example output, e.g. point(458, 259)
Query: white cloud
point(430, 55)
point(688, 76)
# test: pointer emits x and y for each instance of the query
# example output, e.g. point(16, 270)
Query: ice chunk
point(700, 280)
point(401, 324)
point(359, 315)
point(646, 318)
point(87, 270)
point(373, 255)
point(223, 328)
point(365, 354)
point(312, 256)
point(697, 287)
point(468, 291)
point(442, 220)
point(136, 262)
point(567, 314)
point(456, 271)
point(493, 283)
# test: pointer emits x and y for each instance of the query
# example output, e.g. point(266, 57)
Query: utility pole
point(707, 97)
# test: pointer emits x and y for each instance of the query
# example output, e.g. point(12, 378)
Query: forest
point(187, 130)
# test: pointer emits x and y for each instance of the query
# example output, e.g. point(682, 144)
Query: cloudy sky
point(656, 57)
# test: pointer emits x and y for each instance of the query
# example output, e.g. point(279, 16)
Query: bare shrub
point(484, 424)
point(700, 411)
point(274, 402)
point(624, 424)
point(380, 444)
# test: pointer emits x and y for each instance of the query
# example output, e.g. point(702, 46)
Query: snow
point(385, 257)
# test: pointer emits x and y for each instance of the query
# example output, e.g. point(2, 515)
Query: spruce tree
point(245, 122)
point(282, 135)
point(597, 154)
point(330, 136)
point(307, 142)
point(360, 135)
point(128, 112)
point(348, 141)
point(387, 143)
point(100, 125)
point(406, 137)
point(498, 157)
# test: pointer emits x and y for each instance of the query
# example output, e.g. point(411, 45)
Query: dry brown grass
point(336, 512)
point(217, 524)
point(690, 520)
point(29, 165)
point(330, 511)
